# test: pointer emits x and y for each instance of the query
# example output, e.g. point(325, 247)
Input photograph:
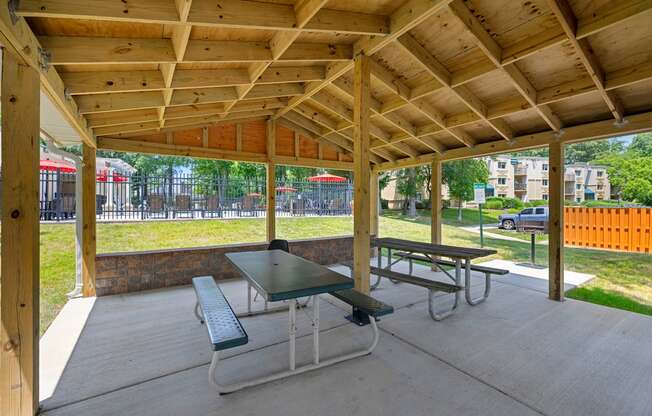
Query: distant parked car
point(527, 219)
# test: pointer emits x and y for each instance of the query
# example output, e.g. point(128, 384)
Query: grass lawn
point(623, 279)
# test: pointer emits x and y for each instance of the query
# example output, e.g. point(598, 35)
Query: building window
point(544, 197)
point(578, 186)
point(502, 195)
point(600, 187)
point(600, 173)
point(544, 182)
point(544, 167)
point(578, 172)
point(578, 199)
point(502, 181)
point(502, 165)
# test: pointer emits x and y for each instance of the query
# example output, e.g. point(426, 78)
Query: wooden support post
point(19, 292)
point(361, 173)
point(374, 203)
point(436, 203)
point(88, 218)
point(556, 221)
point(271, 180)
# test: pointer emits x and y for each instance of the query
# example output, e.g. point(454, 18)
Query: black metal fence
point(140, 197)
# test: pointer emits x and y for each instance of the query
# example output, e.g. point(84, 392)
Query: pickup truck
point(528, 219)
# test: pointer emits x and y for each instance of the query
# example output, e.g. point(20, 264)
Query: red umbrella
point(119, 178)
point(326, 177)
point(54, 165)
point(285, 189)
point(103, 176)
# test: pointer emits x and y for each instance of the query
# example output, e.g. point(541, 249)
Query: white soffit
point(54, 125)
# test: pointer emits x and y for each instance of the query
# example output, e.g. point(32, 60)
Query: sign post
point(479, 198)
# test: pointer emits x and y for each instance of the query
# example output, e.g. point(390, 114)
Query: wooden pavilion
point(366, 86)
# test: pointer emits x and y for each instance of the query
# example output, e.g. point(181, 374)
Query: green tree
point(460, 175)
point(631, 176)
point(641, 145)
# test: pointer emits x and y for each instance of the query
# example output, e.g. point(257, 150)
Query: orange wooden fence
point(625, 229)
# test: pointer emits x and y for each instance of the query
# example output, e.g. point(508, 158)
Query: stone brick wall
point(135, 271)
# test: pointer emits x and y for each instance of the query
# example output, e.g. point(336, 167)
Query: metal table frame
point(431, 251)
point(293, 304)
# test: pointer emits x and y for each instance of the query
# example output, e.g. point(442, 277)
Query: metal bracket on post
point(44, 57)
point(12, 5)
point(621, 123)
point(357, 317)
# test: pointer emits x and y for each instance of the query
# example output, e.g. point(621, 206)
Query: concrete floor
point(516, 354)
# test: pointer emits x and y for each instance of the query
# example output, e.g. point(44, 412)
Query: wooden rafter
point(201, 79)
point(240, 14)
point(569, 23)
point(494, 52)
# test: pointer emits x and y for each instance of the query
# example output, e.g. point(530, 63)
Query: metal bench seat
point(212, 308)
point(474, 267)
point(488, 271)
point(415, 280)
point(363, 303)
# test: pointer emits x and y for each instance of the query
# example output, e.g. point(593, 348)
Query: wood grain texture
point(19, 296)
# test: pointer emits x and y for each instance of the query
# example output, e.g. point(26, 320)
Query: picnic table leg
point(223, 388)
point(315, 329)
point(438, 316)
point(198, 313)
point(458, 278)
point(293, 332)
point(380, 265)
point(467, 290)
point(248, 298)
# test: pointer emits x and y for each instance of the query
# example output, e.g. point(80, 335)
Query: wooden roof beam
point(232, 13)
point(311, 135)
point(568, 22)
point(281, 43)
point(97, 50)
point(638, 123)
point(396, 120)
point(407, 16)
point(494, 52)
point(611, 13)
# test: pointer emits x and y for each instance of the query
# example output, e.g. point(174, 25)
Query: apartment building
point(526, 178)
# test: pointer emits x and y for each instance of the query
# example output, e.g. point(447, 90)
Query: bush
point(494, 205)
point(446, 203)
point(384, 204)
point(421, 204)
point(512, 203)
point(600, 203)
point(537, 203)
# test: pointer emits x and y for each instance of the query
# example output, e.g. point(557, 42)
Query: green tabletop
point(278, 275)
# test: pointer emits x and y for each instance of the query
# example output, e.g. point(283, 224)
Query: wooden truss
point(447, 75)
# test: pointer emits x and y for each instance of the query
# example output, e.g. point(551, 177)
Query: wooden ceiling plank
point(568, 22)
point(610, 14)
point(291, 74)
point(95, 50)
point(494, 52)
point(98, 103)
point(126, 128)
point(202, 96)
point(140, 11)
point(114, 81)
point(121, 117)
